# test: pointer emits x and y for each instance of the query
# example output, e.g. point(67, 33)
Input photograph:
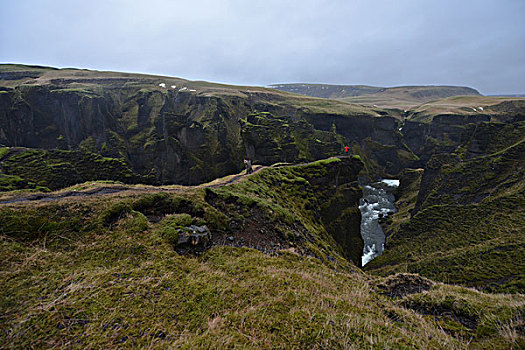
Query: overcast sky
point(477, 43)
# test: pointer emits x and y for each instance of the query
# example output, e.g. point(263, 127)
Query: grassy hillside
point(84, 80)
point(496, 108)
point(327, 90)
point(466, 223)
point(402, 97)
point(406, 97)
point(103, 271)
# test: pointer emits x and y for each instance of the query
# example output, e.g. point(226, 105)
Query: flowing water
point(377, 202)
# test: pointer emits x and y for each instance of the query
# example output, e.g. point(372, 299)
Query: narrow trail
point(104, 190)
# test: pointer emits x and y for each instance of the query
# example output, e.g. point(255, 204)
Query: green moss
point(12, 183)
point(170, 226)
point(169, 233)
point(88, 145)
point(466, 223)
point(271, 193)
point(3, 151)
point(59, 168)
point(178, 220)
point(135, 223)
point(83, 92)
point(114, 213)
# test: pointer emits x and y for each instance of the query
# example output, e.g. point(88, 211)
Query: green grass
point(488, 321)
point(463, 223)
point(101, 272)
point(57, 169)
point(497, 107)
point(139, 293)
point(122, 287)
point(476, 245)
point(3, 152)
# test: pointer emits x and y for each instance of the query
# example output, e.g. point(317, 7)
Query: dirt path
point(42, 197)
point(104, 190)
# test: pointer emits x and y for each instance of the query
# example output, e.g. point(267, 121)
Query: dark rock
point(193, 239)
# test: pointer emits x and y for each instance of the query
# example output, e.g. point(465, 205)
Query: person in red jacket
point(347, 149)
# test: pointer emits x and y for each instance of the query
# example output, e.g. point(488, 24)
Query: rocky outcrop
point(295, 207)
point(194, 239)
point(170, 136)
point(338, 194)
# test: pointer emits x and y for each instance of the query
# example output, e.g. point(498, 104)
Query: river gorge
point(377, 202)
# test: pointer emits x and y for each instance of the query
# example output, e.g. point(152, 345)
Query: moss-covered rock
point(309, 207)
point(57, 169)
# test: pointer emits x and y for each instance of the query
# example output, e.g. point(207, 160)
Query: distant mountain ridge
point(508, 95)
point(399, 96)
point(327, 90)
point(164, 130)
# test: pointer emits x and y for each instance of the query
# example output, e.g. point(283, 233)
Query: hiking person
point(248, 165)
point(347, 149)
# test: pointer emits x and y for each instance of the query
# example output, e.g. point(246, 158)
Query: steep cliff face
point(170, 136)
point(377, 140)
point(466, 224)
point(338, 193)
point(55, 169)
point(316, 205)
point(183, 133)
point(442, 134)
point(489, 161)
point(168, 130)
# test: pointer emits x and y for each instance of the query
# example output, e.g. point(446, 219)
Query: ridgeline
point(112, 234)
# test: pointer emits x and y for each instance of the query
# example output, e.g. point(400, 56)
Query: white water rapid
point(377, 202)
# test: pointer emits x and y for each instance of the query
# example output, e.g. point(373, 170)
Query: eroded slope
point(104, 272)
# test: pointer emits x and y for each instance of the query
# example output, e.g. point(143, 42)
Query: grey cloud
point(381, 42)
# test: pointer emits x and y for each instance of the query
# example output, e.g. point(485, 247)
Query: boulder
point(193, 239)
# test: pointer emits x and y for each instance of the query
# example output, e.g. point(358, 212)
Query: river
point(378, 201)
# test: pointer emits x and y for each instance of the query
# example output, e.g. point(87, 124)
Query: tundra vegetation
point(103, 247)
